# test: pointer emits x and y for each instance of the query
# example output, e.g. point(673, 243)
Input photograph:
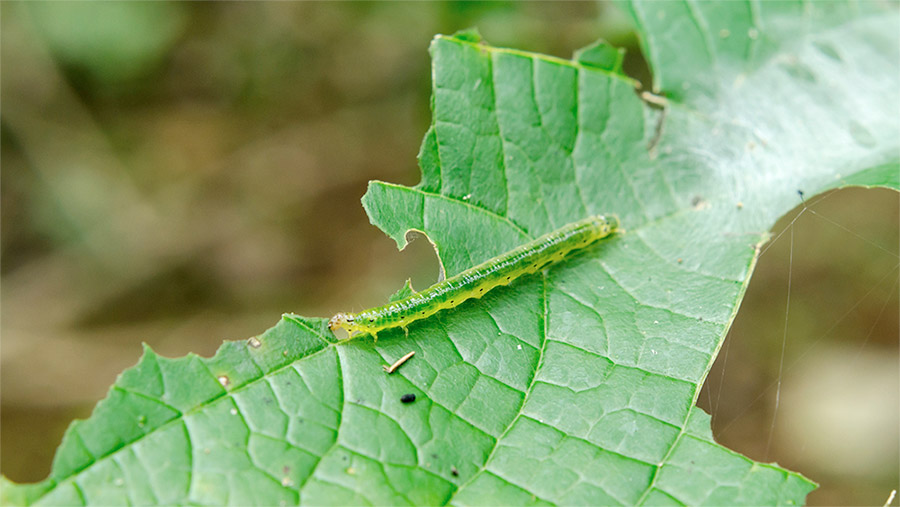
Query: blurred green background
point(183, 173)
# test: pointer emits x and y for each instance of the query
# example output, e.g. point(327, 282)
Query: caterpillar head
point(608, 222)
point(341, 320)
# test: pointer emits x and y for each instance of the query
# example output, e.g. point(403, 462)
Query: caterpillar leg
point(348, 338)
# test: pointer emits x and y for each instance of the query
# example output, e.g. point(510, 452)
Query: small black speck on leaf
point(408, 398)
point(454, 472)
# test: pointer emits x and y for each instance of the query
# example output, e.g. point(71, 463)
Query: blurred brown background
point(183, 173)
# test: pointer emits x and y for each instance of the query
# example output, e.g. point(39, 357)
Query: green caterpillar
point(475, 282)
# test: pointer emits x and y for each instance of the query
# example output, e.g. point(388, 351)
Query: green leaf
point(575, 386)
point(602, 55)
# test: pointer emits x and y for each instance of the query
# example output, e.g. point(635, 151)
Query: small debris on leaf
point(391, 368)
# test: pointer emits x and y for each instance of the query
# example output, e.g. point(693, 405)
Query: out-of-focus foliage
point(109, 42)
